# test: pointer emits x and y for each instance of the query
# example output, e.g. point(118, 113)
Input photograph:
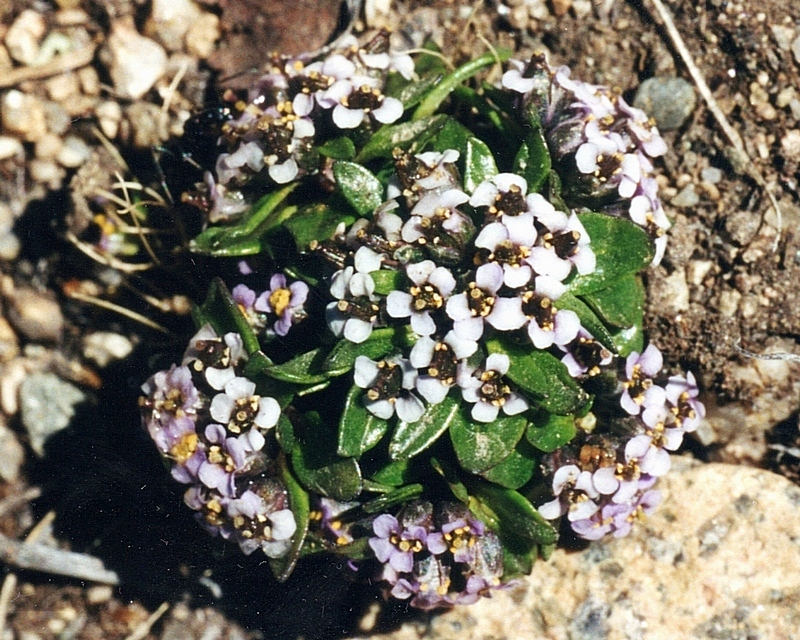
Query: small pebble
point(13, 454)
point(24, 115)
point(104, 347)
point(23, 36)
point(796, 49)
point(712, 175)
point(783, 36)
point(63, 86)
point(109, 114)
point(74, 152)
point(48, 146)
point(47, 404)
point(47, 172)
point(686, 198)
point(9, 345)
point(790, 145)
point(10, 147)
point(203, 35)
point(99, 594)
point(669, 101)
point(57, 117)
point(36, 316)
point(90, 81)
point(135, 63)
point(170, 20)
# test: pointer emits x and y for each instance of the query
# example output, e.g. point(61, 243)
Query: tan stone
point(718, 558)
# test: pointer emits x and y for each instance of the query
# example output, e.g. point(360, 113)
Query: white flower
point(431, 287)
point(486, 388)
point(389, 384)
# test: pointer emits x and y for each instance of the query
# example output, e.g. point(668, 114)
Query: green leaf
point(621, 248)
point(315, 223)
point(439, 94)
point(341, 148)
point(382, 503)
point(359, 186)
point(302, 369)
point(246, 237)
point(621, 303)
point(479, 164)
point(298, 501)
point(284, 432)
point(549, 432)
point(412, 93)
point(359, 430)
point(411, 438)
point(513, 513)
point(589, 320)
point(318, 467)
point(394, 474)
point(448, 472)
point(480, 446)
point(224, 315)
point(387, 280)
point(516, 469)
point(533, 160)
point(629, 340)
point(542, 376)
point(402, 135)
point(453, 135)
point(343, 356)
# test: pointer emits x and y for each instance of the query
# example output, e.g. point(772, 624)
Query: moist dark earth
point(729, 279)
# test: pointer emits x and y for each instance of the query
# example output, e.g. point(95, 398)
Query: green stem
point(435, 98)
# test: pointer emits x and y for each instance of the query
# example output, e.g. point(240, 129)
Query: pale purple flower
point(433, 207)
point(355, 313)
point(503, 194)
point(238, 408)
point(509, 243)
point(431, 287)
point(575, 495)
point(396, 545)
point(269, 529)
point(546, 324)
point(223, 204)
point(650, 449)
point(230, 165)
point(682, 395)
point(389, 385)
point(359, 98)
point(487, 389)
point(585, 355)
point(640, 392)
point(515, 79)
point(286, 302)
point(439, 360)
point(171, 394)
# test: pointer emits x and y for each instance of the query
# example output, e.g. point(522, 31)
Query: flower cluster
point(605, 484)
point(436, 558)
point(603, 145)
point(480, 338)
point(270, 136)
point(458, 285)
point(207, 419)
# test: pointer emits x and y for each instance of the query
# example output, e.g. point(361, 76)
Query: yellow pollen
point(184, 449)
point(279, 300)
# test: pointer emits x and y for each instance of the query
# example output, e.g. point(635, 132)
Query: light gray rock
point(24, 115)
point(23, 36)
point(720, 558)
point(47, 404)
point(686, 198)
point(134, 62)
point(669, 101)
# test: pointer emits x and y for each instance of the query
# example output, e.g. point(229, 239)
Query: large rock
point(720, 558)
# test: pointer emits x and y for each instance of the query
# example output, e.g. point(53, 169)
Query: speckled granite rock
point(719, 559)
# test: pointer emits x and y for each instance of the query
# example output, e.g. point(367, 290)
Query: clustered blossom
point(270, 136)
point(436, 557)
point(603, 145)
point(274, 311)
point(456, 292)
point(209, 421)
point(605, 484)
point(459, 285)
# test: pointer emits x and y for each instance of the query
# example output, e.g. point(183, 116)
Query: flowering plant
point(443, 354)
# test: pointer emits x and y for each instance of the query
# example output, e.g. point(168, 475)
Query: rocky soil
point(90, 86)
